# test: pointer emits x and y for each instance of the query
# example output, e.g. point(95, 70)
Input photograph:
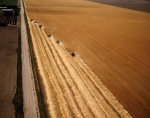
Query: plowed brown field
point(8, 70)
point(114, 42)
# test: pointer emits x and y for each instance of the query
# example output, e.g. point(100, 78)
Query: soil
point(2, 20)
point(112, 41)
point(8, 70)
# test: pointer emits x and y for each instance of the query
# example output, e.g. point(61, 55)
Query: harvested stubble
point(70, 87)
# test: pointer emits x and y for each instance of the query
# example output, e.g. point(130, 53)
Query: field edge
point(38, 86)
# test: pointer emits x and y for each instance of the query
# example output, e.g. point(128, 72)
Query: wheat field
point(112, 42)
point(71, 88)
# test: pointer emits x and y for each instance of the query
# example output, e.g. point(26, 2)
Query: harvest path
point(70, 87)
point(29, 93)
point(113, 41)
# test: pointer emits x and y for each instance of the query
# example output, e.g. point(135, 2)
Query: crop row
point(70, 87)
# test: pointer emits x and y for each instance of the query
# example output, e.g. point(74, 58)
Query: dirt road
point(29, 93)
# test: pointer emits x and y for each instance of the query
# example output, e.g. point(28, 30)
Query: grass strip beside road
point(38, 85)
